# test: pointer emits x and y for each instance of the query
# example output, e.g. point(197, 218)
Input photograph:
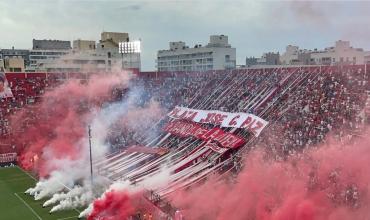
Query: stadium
point(284, 141)
point(184, 110)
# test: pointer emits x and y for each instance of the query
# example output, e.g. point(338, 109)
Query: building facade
point(340, 53)
point(76, 61)
point(115, 37)
point(216, 55)
point(81, 45)
point(85, 56)
point(45, 52)
point(51, 45)
point(269, 58)
point(251, 61)
point(39, 58)
point(18, 53)
point(1, 63)
point(14, 64)
point(109, 46)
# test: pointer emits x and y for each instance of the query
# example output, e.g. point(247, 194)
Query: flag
point(5, 91)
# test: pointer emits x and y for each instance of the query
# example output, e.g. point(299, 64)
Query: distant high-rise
point(216, 55)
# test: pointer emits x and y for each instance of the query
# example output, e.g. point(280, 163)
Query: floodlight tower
point(130, 50)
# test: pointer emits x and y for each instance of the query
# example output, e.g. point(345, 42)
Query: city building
point(80, 45)
point(216, 55)
point(76, 61)
point(290, 55)
point(340, 53)
point(250, 61)
point(8, 53)
point(51, 45)
point(117, 47)
point(14, 64)
point(112, 52)
point(1, 63)
point(86, 55)
point(112, 39)
point(46, 51)
point(38, 58)
point(269, 58)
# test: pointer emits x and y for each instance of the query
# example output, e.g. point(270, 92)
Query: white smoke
point(104, 119)
point(62, 179)
point(87, 211)
point(74, 175)
point(157, 180)
point(74, 202)
point(77, 190)
point(35, 189)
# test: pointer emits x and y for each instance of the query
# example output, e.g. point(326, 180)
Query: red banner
point(186, 129)
point(9, 157)
point(250, 122)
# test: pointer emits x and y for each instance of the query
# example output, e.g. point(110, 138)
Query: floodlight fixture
point(130, 47)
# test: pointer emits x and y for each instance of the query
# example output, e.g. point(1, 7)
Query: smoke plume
point(329, 183)
point(57, 144)
point(56, 128)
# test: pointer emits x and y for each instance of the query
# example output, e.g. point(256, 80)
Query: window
point(227, 58)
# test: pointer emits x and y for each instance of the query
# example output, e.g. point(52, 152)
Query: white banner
point(250, 122)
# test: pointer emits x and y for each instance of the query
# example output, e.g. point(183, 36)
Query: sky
point(253, 27)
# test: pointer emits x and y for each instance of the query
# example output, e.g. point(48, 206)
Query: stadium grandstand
point(297, 107)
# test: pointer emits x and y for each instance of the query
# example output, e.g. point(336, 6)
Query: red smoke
point(329, 183)
point(51, 129)
point(114, 205)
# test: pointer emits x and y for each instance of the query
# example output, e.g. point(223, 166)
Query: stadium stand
point(302, 104)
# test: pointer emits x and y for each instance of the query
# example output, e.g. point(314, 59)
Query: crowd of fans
point(332, 101)
point(302, 105)
point(26, 90)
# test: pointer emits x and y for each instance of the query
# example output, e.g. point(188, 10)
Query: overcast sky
point(253, 27)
